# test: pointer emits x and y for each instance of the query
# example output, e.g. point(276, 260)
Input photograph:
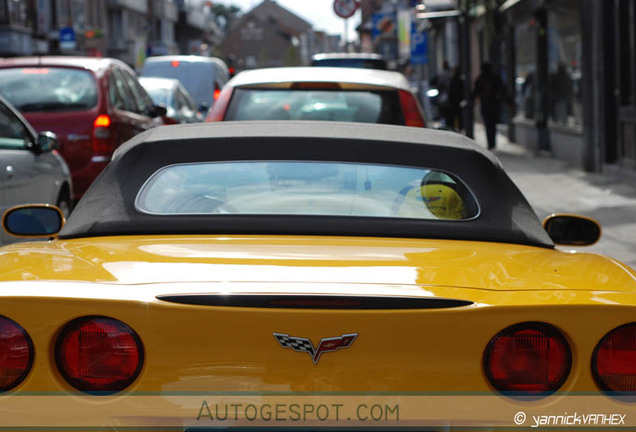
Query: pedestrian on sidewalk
point(442, 82)
point(491, 92)
point(455, 100)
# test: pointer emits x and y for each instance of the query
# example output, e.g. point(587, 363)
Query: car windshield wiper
point(45, 106)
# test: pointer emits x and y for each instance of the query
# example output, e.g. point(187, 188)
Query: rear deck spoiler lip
point(302, 301)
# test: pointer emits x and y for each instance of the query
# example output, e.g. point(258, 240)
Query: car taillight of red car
point(103, 145)
point(412, 112)
point(217, 112)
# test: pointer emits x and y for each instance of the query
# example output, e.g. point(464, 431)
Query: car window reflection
point(306, 188)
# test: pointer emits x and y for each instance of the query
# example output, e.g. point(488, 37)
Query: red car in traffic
point(92, 104)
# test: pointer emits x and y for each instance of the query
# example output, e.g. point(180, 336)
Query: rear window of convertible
point(306, 188)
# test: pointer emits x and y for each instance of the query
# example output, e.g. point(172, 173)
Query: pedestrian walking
point(442, 82)
point(455, 100)
point(491, 92)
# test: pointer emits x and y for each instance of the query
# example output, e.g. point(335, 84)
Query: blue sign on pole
point(419, 47)
point(383, 25)
point(67, 38)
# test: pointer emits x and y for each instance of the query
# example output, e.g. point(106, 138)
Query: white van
point(203, 77)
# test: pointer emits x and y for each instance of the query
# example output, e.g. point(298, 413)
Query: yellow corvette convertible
point(309, 276)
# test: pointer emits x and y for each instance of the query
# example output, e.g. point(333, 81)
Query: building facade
point(569, 66)
point(126, 29)
point(572, 68)
point(543, 59)
point(615, 66)
point(47, 26)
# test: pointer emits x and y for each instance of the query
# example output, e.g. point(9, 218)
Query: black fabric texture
point(108, 207)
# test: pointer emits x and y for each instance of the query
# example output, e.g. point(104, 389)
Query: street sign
point(345, 8)
point(67, 38)
point(419, 47)
point(383, 26)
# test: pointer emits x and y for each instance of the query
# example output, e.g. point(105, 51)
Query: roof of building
point(271, 12)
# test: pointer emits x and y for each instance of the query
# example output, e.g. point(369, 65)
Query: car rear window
point(159, 95)
point(306, 188)
point(352, 62)
point(367, 106)
point(48, 88)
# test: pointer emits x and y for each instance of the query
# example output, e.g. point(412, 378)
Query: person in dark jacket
point(442, 82)
point(491, 92)
point(455, 100)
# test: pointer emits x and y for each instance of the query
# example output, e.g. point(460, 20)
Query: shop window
point(564, 64)
point(17, 13)
point(4, 16)
point(526, 64)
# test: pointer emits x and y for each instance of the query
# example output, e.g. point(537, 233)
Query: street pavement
point(551, 186)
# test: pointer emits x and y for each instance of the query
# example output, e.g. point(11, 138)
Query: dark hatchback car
point(92, 104)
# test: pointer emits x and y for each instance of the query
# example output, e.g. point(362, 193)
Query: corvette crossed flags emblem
point(325, 345)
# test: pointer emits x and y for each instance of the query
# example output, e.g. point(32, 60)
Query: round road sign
point(345, 8)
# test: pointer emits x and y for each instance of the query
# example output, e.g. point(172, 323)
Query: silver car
point(170, 93)
point(32, 171)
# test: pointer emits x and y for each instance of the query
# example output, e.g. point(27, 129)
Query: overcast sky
point(318, 12)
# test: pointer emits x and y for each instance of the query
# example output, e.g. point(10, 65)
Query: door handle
point(10, 172)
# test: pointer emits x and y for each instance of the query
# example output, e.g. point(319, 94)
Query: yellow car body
point(229, 364)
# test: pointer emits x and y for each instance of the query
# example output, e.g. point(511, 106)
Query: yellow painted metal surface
point(171, 259)
point(232, 349)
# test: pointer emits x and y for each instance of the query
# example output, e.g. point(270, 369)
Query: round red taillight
point(16, 354)
point(614, 360)
point(99, 354)
point(529, 358)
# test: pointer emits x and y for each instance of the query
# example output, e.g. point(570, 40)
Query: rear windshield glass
point(354, 63)
point(306, 188)
point(159, 95)
point(366, 106)
point(48, 88)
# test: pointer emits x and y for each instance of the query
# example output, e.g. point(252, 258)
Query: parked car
point(170, 93)
point(246, 267)
point(203, 77)
point(32, 171)
point(309, 93)
point(92, 105)
point(355, 60)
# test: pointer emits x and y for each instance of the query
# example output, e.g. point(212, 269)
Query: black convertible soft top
point(107, 208)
